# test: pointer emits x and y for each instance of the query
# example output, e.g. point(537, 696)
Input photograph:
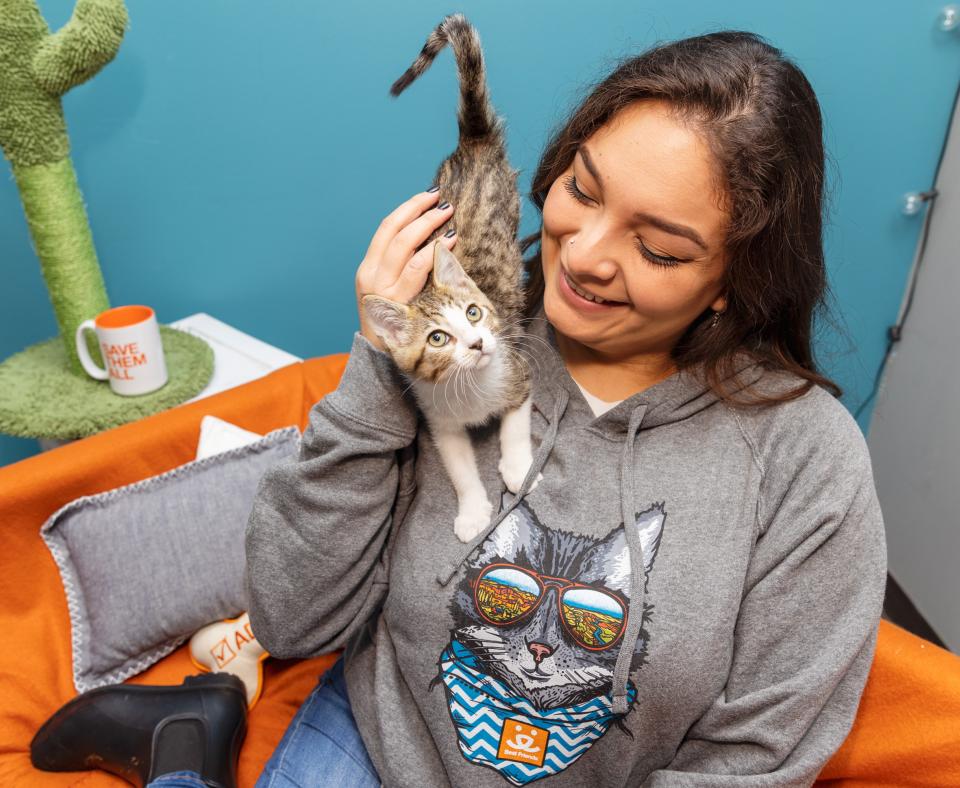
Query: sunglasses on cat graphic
point(506, 593)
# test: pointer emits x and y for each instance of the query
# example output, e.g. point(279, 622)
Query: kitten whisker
point(524, 357)
point(530, 356)
point(460, 379)
point(518, 322)
point(521, 360)
point(470, 385)
point(412, 384)
point(530, 319)
point(517, 346)
point(455, 378)
point(446, 383)
point(512, 330)
point(466, 378)
point(433, 394)
point(531, 337)
point(475, 387)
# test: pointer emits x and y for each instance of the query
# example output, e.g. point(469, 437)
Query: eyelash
point(570, 184)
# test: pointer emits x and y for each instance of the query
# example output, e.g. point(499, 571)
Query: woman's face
point(634, 220)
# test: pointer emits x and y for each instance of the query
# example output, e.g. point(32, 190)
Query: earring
point(716, 319)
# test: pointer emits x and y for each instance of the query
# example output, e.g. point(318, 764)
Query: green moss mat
point(41, 398)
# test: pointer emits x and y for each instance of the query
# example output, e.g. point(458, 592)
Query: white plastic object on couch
point(230, 647)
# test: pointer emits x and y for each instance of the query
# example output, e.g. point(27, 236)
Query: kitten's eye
point(438, 338)
point(473, 313)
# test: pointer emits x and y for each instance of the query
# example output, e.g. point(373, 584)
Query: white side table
point(238, 358)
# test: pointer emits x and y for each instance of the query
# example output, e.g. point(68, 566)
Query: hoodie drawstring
point(621, 671)
point(546, 445)
point(540, 459)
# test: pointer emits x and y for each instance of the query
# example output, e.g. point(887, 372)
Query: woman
point(690, 595)
point(730, 630)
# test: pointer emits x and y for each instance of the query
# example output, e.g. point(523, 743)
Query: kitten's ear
point(389, 320)
point(447, 271)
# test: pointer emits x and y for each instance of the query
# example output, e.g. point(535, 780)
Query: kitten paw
point(514, 469)
point(472, 519)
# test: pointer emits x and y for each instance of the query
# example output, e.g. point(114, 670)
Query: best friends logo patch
point(522, 742)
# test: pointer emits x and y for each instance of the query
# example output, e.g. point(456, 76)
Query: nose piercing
point(571, 242)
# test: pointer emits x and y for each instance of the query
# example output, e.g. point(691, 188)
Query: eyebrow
point(641, 216)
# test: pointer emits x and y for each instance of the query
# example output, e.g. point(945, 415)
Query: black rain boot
point(139, 732)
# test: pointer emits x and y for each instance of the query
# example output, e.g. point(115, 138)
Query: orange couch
point(907, 731)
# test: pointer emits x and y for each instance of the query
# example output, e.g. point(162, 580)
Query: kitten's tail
point(475, 115)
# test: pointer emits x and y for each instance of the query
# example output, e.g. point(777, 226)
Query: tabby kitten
point(458, 340)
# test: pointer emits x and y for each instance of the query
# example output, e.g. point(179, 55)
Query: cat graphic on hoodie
point(539, 614)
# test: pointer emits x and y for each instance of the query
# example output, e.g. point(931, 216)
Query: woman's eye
point(473, 313)
point(656, 259)
point(438, 338)
point(570, 184)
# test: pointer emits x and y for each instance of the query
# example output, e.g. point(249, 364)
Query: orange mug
point(129, 339)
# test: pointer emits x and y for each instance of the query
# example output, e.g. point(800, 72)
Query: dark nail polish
point(450, 233)
point(443, 206)
point(433, 189)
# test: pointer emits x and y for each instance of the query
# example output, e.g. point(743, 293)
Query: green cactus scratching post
point(36, 69)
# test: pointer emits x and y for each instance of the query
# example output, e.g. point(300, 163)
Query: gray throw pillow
point(146, 565)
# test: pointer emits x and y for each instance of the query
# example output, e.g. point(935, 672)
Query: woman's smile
point(582, 299)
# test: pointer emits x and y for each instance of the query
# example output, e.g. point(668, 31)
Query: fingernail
point(433, 189)
point(443, 206)
point(450, 233)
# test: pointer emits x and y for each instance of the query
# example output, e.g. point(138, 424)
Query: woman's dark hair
point(759, 116)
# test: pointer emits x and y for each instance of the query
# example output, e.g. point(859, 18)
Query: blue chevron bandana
point(503, 730)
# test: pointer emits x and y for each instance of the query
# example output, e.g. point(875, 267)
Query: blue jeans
point(320, 747)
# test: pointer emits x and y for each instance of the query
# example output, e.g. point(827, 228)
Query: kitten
point(458, 340)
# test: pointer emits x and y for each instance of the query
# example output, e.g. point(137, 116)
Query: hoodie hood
point(673, 399)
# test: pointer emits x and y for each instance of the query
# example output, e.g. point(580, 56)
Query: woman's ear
point(720, 305)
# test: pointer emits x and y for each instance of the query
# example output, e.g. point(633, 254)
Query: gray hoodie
point(722, 639)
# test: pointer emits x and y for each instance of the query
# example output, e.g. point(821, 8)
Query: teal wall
point(237, 155)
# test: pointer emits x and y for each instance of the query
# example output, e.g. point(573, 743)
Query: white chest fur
point(468, 397)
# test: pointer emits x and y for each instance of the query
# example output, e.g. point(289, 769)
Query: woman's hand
point(392, 267)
